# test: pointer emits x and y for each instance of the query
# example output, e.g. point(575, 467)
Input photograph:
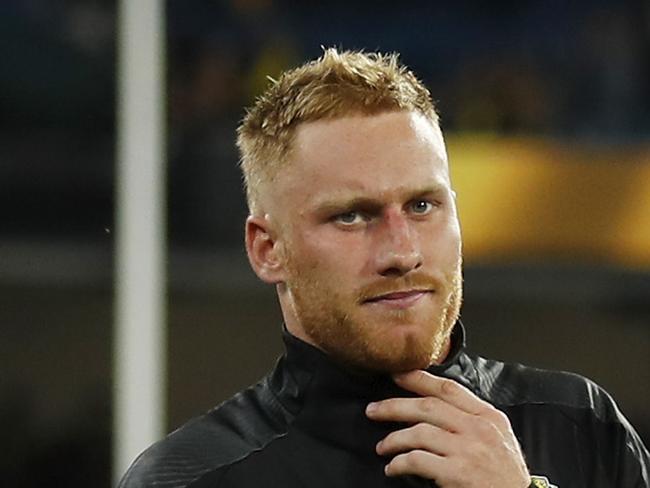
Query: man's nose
point(398, 250)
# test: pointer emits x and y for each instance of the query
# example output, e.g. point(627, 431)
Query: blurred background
point(546, 107)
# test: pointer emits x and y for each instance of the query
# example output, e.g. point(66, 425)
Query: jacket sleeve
point(623, 456)
point(635, 461)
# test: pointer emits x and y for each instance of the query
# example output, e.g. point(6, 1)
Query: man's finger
point(422, 436)
point(417, 462)
point(428, 385)
point(431, 410)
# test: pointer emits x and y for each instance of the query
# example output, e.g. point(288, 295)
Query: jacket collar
point(329, 401)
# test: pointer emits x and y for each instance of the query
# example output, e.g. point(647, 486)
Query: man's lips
point(398, 299)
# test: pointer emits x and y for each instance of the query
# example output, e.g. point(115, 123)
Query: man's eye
point(349, 218)
point(421, 207)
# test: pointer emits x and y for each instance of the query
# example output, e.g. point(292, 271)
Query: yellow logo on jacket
point(541, 482)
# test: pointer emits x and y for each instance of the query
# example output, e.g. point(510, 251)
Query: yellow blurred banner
point(528, 199)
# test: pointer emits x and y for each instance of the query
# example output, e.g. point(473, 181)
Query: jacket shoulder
point(211, 442)
point(560, 400)
point(510, 384)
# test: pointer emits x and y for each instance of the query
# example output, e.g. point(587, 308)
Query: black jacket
point(304, 425)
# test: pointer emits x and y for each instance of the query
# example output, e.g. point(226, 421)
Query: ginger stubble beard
point(336, 324)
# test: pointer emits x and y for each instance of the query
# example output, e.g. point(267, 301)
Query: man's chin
point(402, 365)
point(392, 356)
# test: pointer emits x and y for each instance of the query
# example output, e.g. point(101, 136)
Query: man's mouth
point(398, 299)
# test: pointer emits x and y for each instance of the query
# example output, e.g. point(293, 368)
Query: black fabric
point(304, 425)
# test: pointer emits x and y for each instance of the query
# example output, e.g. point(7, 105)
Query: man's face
point(370, 241)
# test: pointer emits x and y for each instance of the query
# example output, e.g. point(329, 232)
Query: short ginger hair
point(335, 85)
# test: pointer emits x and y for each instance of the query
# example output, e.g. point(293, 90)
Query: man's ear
point(263, 250)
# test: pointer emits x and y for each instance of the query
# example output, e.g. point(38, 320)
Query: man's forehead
point(366, 139)
point(354, 123)
point(392, 152)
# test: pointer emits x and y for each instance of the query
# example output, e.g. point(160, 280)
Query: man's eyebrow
point(431, 190)
point(342, 203)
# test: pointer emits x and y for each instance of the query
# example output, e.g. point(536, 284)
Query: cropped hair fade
point(335, 85)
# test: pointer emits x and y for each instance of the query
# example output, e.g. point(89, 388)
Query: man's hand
point(454, 437)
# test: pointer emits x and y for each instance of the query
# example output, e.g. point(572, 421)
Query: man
point(353, 219)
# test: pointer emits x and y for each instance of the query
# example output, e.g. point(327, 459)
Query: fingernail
point(371, 408)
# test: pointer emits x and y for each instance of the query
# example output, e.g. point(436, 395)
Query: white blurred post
point(140, 333)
